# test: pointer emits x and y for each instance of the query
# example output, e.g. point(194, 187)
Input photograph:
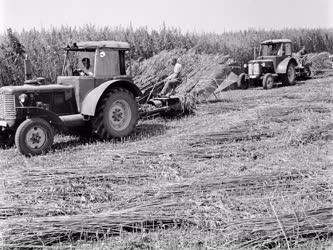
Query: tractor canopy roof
point(92, 45)
point(272, 41)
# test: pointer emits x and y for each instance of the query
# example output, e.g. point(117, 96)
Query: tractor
point(275, 63)
point(101, 98)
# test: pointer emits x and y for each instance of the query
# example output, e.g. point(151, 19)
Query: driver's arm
point(86, 72)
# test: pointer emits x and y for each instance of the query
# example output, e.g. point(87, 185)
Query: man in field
point(300, 56)
point(302, 52)
point(173, 80)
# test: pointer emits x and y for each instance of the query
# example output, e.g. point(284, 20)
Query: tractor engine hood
point(26, 88)
point(261, 61)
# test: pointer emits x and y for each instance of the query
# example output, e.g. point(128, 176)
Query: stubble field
point(254, 169)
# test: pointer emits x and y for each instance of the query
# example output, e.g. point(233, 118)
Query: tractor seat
point(36, 81)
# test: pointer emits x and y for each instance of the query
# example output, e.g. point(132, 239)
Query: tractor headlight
point(245, 65)
point(23, 98)
point(263, 64)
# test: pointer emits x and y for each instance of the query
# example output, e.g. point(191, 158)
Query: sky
point(196, 15)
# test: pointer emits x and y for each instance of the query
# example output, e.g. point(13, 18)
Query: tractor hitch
point(161, 106)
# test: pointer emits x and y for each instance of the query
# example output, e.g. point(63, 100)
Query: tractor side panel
point(282, 67)
point(82, 86)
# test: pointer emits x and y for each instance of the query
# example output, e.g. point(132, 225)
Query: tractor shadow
point(258, 86)
point(66, 141)
point(142, 131)
point(297, 83)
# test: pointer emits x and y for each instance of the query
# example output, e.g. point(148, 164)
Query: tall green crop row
point(44, 46)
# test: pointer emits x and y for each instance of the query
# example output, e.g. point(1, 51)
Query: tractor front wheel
point(116, 115)
point(268, 81)
point(34, 136)
point(242, 82)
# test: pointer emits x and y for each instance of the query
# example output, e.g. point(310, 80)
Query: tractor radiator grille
point(250, 69)
point(256, 69)
point(7, 107)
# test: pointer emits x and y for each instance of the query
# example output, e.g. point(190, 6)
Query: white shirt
point(177, 69)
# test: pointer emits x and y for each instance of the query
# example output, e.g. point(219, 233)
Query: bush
point(11, 60)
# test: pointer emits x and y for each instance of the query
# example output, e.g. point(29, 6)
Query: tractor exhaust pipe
point(27, 68)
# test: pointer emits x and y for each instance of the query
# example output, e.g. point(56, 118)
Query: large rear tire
point(290, 76)
point(268, 81)
point(34, 136)
point(242, 82)
point(116, 115)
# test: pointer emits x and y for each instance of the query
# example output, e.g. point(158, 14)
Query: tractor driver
point(86, 71)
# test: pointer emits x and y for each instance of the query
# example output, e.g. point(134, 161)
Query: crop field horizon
point(253, 170)
point(44, 47)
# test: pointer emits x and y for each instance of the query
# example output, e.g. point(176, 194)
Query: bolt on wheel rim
point(120, 115)
point(35, 138)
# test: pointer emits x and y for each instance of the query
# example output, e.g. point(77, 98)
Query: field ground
point(252, 170)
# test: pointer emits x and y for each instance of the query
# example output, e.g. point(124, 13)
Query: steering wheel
point(79, 72)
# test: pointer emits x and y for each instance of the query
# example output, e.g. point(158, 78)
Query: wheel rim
point(270, 82)
point(35, 137)
point(291, 74)
point(119, 115)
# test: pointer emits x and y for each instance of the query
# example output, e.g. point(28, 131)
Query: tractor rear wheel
point(268, 81)
point(116, 115)
point(290, 76)
point(242, 82)
point(34, 136)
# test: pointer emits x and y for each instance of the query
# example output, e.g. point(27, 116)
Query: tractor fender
point(90, 102)
point(47, 115)
point(282, 67)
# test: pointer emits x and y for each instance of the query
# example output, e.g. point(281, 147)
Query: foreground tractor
point(101, 98)
point(274, 64)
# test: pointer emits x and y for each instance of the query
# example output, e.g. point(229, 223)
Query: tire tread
point(98, 121)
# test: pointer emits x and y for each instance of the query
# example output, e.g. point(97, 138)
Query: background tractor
point(101, 98)
point(275, 63)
